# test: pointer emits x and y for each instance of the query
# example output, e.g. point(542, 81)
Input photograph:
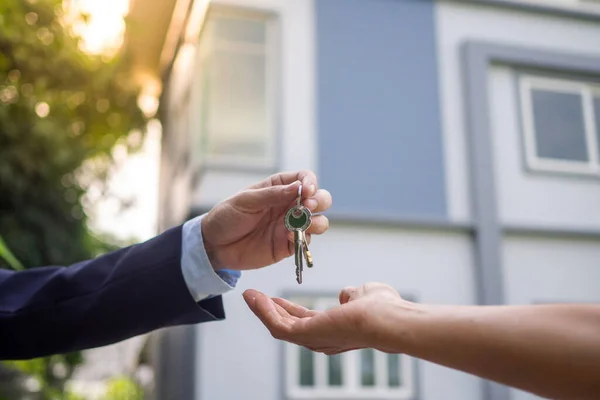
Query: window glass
point(393, 361)
point(236, 111)
point(307, 374)
point(335, 370)
point(236, 82)
point(367, 367)
point(559, 125)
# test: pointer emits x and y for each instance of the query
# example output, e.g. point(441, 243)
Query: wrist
point(396, 325)
point(211, 250)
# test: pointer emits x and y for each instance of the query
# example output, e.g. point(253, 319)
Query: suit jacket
point(132, 291)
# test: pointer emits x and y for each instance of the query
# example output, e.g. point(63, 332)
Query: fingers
point(319, 225)
point(320, 202)
point(275, 318)
point(264, 308)
point(282, 311)
point(294, 309)
point(254, 200)
point(306, 177)
point(282, 189)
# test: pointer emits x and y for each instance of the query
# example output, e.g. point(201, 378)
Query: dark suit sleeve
point(132, 291)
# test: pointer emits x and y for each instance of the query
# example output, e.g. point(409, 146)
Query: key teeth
point(309, 261)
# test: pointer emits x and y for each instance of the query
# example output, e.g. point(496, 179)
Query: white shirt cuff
point(200, 277)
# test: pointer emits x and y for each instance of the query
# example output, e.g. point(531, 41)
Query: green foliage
point(123, 388)
point(61, 113)
point(59, 107)
point(8, 257)
point(49, 373)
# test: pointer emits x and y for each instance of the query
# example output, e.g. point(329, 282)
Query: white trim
point(272, 85)
point(320, 369)
point(381, 370)
point(407, 373)
point(595, 92)
point(554, 84)
point(351, 370)
point(292, 364)
point(527, 113)
point(590, 126)
point(585, 90)
point(351, 387)
point(562, 166)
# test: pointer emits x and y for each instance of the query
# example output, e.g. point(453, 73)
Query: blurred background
point(460, 140)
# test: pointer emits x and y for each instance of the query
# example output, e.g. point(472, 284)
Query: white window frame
point(271, 49)
point(583, 89)
point(351, 387)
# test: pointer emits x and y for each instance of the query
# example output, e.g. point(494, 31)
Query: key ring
point(298, 211)
point(299, 198)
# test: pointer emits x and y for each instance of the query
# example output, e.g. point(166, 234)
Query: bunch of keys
point(298, 220)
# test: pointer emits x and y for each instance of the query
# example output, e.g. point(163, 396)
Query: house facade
point(460, 141)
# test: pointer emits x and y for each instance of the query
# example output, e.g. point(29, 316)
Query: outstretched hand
point(355, 324)
point(246, 231)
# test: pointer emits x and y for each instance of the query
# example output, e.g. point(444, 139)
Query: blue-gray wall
point(380, 142)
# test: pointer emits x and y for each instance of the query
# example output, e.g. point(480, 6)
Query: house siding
point(379, 138)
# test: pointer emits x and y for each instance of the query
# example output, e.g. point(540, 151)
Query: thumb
point(347, 294)
point(258, 199)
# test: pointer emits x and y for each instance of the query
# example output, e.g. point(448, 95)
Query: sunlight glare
point(105, 29)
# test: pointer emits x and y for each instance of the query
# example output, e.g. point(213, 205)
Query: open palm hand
point(352, 325)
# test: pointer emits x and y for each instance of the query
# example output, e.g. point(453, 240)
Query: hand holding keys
point(298, 220)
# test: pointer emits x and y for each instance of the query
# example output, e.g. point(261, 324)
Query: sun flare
point(105, 28)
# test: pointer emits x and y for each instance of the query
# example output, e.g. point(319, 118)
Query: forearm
point(97, 302)
point(550, 350)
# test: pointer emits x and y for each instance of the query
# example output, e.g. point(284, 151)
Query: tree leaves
point(8, 256)
point(60, 108)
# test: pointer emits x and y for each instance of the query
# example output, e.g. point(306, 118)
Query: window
point(237, 88)
point(362, 374)
point(561, 124)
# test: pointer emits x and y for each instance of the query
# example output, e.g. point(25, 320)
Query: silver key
point(298, 220)
point(298, 255)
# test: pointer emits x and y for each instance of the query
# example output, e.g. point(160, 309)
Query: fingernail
point(312, 189)
point(311, 204)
